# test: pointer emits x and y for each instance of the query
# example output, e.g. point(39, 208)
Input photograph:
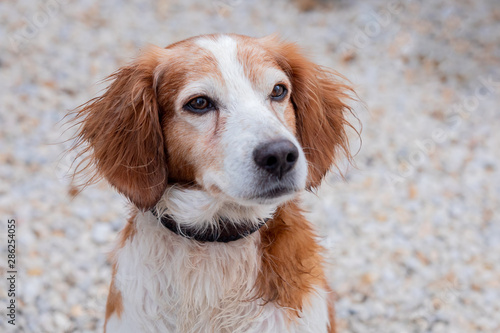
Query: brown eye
point(279, 91)
point(199, 105)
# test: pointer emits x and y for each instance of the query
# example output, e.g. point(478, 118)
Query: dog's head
point(249, 121)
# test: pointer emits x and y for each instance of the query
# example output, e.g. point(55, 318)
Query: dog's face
point(243, 119)
point(232, 123)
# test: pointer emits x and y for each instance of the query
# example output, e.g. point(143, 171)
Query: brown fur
point(247, 53)
point(114, 303)
point(319, 100)
point(292, 264)
point(121, 132)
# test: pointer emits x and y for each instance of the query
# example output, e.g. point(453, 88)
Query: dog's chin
point(273, 196)
point(263, 193)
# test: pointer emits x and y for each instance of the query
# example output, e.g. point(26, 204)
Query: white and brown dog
point(212, 139)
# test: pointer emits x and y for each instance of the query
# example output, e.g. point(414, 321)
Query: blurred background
point(413, 232)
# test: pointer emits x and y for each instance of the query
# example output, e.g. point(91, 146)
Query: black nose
point(276, 157)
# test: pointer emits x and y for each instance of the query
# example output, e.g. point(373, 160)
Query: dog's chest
point(169, 283)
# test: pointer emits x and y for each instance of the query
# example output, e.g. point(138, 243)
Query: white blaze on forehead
point(225, 50)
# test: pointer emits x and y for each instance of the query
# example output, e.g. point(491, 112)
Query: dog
point(212, 139)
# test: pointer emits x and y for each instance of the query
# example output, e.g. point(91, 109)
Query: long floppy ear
point(319, 99)
point(121, 135)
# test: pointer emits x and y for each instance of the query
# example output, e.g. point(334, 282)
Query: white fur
point(179, 203)
point(171, 284)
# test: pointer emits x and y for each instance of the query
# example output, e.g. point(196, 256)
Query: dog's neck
point(225, 232)
point(194, 213)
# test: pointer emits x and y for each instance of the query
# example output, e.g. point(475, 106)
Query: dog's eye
point(279, 91)
point(199, 105)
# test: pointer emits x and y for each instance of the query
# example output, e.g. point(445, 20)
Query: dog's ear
point(121, 133)
point(319, 99)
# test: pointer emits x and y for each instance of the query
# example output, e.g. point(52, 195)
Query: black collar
point(227, 232)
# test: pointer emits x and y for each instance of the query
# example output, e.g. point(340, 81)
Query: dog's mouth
point(274, 192)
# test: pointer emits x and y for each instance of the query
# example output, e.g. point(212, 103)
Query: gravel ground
point(413, 232)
